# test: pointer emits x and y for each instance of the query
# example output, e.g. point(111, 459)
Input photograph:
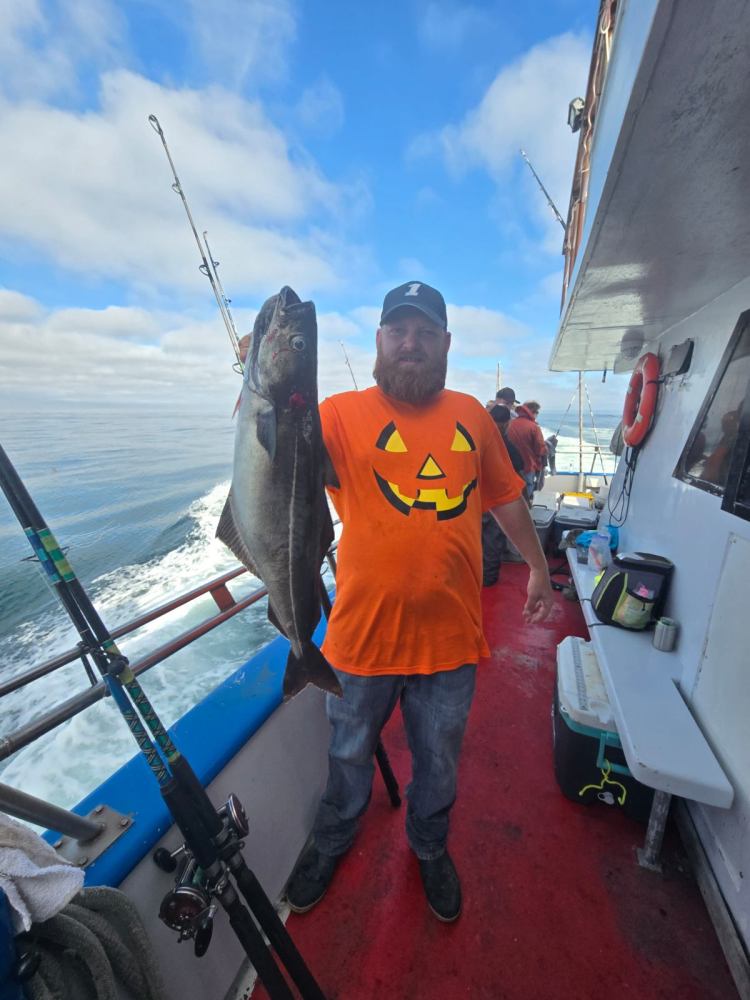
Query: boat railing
point(579, 193)
point(227, 606)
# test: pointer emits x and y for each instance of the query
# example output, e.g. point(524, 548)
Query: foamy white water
point(66, 763)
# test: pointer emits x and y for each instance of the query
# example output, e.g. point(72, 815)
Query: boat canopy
point(658, 223)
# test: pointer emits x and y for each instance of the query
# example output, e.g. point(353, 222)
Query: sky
point(338, 148)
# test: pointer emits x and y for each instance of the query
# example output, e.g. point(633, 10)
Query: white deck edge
point(661, 739)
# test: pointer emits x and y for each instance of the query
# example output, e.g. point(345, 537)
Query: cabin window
point(715, 457)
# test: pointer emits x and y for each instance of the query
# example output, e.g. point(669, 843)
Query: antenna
point(550, 202)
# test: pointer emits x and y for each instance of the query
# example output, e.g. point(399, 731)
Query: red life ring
point(640, 400)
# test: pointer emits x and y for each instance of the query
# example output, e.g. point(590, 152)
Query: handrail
point(49, 666)
point(66, 710)
point(42, 813)
point(25, 735)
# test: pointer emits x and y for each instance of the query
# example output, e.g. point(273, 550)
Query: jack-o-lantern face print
point(441, 480)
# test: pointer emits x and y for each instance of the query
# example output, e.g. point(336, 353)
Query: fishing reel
point(188, 908)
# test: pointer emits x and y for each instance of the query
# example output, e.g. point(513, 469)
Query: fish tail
point(309, 668)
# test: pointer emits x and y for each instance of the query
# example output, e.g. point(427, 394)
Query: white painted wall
point(711, 552)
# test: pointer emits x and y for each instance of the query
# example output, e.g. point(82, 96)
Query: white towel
point(36, 880)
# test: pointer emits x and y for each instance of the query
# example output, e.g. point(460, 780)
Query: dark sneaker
point(310, 879)
point(441, 886)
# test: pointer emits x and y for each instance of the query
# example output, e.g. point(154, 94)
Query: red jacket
point(526, 435)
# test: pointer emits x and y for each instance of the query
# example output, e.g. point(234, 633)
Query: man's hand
point(539, 598)
point(515, 520)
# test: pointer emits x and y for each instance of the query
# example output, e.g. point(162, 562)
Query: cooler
point(589, 763)
point(569, 518)
point(543, 518)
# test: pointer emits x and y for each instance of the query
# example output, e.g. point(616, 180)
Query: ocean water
point(596, 434)
point(134, 497)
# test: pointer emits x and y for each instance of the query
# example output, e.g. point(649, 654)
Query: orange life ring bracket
point(640, 401)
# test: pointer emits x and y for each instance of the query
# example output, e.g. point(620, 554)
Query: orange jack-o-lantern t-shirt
point(414, 481)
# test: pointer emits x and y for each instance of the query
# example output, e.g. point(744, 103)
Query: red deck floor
point(554, 902)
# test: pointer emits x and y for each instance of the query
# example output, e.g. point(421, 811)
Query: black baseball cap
point(418, 295)
point(506, 393)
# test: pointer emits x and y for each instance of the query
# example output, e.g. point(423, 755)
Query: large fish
point(276, 518)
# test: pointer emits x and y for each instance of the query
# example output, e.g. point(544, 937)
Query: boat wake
point(63, 765)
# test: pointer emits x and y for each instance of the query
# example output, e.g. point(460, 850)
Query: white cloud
point(320, 109)
point(525, 107)
point(92, 191)
point(113, 354)
point(46, 44)
point(17, 307)
point(133, 356)
point(411, 267)
point(445, 24)
point(479, 332)
point(334, 326)
point(551, 286)
point(368, 317)
point(243, 41)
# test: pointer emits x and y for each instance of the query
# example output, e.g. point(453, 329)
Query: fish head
point(284, 349)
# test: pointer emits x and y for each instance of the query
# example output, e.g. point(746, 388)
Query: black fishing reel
point(188, 908)
point(234, 815)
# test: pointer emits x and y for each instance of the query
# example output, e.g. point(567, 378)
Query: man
point(527, 436)
point(502, 416)
point(415, 465)
point(493, 538)
point(507, 397)
point(551, 445)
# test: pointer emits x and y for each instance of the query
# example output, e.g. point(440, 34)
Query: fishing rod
point(566, 412)
point(215, 270)
point(598, 450)
point(211, 851)
point(209, 265)
point(346, 358)
point(550, 202)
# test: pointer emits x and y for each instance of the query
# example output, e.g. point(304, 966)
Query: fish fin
point(329, 473)
point(274, 619)
point(226, 532)
point(236, 409)
point(311, 668)
point(265, 425)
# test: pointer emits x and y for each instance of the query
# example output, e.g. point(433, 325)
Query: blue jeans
point(530, 479)
point(435, 708)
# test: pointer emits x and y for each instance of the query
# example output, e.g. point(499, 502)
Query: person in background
point(406, 624)
point(502, 416)
point(493, 536)
point(533, 407)
point(507, 397)
point(526, 435)
point(551, 445)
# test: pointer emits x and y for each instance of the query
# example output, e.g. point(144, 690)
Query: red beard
point(413, 384)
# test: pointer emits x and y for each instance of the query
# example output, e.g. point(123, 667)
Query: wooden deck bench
point(661, 739)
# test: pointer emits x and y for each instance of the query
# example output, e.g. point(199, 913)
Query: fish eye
point(297, 343)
